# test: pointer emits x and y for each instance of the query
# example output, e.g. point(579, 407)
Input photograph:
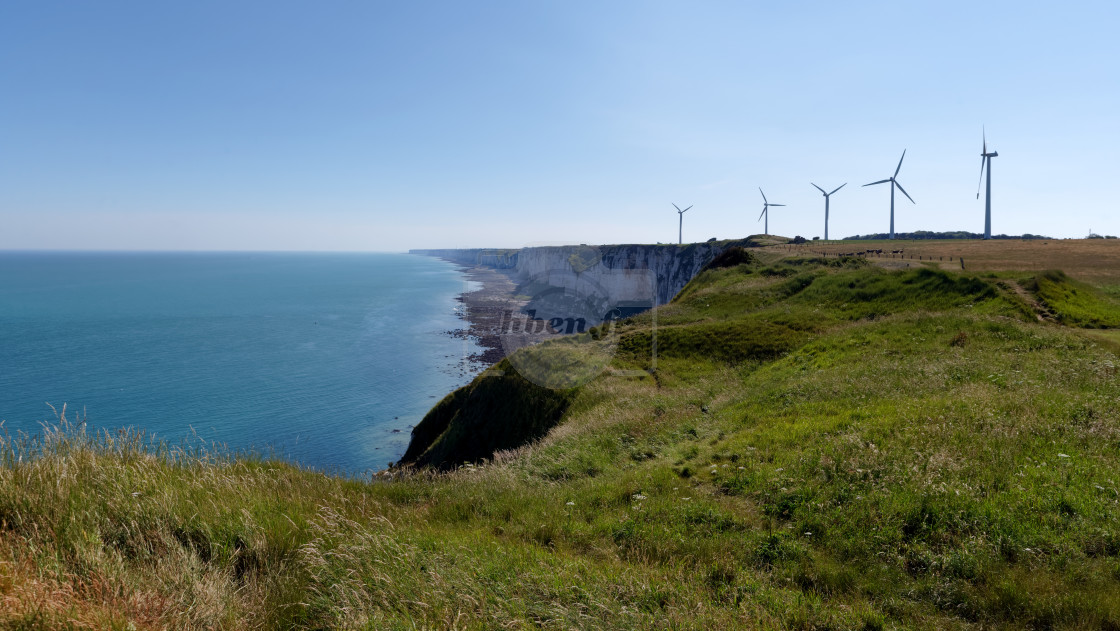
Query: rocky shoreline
point(485, 309)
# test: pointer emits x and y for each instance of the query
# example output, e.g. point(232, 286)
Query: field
point(826, 443)
point(1091, 260)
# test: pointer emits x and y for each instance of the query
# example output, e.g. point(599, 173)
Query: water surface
point(326, 359)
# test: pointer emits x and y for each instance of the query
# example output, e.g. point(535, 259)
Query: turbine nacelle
point(830, 192)
point(984, 146)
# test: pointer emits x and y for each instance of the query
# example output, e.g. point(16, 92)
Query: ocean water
point(323, 359)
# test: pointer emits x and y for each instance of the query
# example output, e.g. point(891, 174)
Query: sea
point(325, 360)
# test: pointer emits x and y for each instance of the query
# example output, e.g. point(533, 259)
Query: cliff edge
point(633, 272)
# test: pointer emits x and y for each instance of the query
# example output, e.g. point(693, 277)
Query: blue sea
point(326, 360)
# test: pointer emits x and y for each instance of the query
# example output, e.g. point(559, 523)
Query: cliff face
point(627, 273)
point(487, 257)
point(566, 290)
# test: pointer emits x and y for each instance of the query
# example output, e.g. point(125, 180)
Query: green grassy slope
point(1076, 303)
point(823, 445)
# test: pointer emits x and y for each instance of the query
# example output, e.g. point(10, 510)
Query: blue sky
point(387, 126)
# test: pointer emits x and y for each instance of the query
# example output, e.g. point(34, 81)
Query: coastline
point(485, 308)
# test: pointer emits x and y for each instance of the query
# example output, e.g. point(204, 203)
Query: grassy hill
point(824, 445)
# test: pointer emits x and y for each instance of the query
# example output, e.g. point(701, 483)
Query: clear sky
point(367, 125)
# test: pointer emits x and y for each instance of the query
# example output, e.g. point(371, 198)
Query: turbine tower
point(826, 195)
point(680, 224)
point(895, 183)
point(765, 212)
point(986, 160)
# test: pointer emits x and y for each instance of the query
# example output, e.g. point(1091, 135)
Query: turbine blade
point(900, 163)
point(762, 213)
point(819, 189)
point(677, 207)
point(763, 195)
point(985, 133)
point(685, 210)
point(879, 182)
point(904, 192)
point(981, 183)
point(839, 187)
point(777, 204)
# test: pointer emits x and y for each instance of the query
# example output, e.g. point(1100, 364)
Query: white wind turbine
point(986, 159)
point(894, 183)
point(766, 212)
point(680, 224)
point(826, 196)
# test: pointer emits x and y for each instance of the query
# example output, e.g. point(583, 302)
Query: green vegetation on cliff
point(464, 426)
point(823, 444)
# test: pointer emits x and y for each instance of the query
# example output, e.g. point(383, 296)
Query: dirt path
point(1041, 311)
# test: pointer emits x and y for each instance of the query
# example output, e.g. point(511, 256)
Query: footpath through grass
point(823, 445)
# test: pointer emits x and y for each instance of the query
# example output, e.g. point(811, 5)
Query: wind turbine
point(680, 226)
point(765, 212)
point(895, 183)
point(826, 204)
point(986, 159)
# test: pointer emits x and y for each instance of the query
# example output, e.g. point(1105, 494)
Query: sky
point(384, 126)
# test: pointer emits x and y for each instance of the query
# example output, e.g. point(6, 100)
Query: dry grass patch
point(1091, 260)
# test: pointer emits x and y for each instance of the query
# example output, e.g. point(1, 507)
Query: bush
point(730, 258)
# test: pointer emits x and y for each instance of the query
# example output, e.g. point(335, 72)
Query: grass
point(824, 445)
point(1076, 303)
